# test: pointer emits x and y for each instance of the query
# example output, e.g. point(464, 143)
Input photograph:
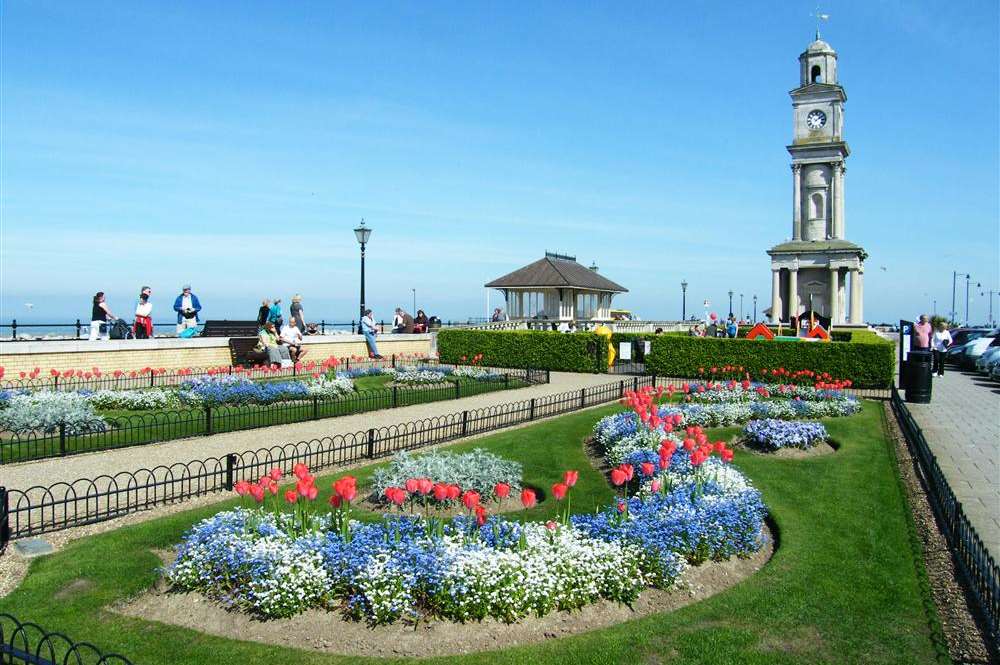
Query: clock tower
point(810, 272)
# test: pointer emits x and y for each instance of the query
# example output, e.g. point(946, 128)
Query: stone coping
point(172, 343)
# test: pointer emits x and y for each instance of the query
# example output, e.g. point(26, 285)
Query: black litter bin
point(918, 377)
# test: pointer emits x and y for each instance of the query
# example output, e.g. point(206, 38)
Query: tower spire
point(819, 18)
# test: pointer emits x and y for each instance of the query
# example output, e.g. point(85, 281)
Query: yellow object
point(605, 331)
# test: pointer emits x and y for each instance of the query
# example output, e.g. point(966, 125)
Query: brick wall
point(16, 357)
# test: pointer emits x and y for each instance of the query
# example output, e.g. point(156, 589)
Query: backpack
point(120, 330)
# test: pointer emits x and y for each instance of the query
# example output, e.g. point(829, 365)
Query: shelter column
point(834, 290)
point(855, 297)
point(775, 294)
point(838, 199)
point(793, 291)
point(796, 202)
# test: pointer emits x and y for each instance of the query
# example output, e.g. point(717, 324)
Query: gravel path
point(89, 465)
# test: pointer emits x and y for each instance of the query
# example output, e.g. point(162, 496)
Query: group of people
point(402, 323)
point(936, 340)
point(728, 328)
point(186, 305)
point(281, 340)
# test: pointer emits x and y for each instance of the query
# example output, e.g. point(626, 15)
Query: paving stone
point(33, 547)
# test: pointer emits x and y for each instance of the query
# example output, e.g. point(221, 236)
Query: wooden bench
point(227, 328)
point(241, 350)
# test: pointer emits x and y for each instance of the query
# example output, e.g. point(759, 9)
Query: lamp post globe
point(755, 308)
point(684, 290)
point(362, 233)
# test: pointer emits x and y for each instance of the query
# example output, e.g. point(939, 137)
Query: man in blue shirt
point(187, 307)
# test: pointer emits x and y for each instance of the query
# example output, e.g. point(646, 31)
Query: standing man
point(922, 333)
point(187, 307)
point(369, 330)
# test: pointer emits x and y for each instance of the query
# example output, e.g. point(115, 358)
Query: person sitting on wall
point(267, 341)
point(420, 322)
point(291, 337)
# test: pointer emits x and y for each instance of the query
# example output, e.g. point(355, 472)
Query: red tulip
point(570, 478)
point(648, 468)
point(335, 500)
point(454, 491)
point(470, 499)
point(621, 506)
point(300, 470)
point(559, 491)
point(257, 492)
point(502, 490)
point(440, 492)
point(424, 486)
point(411, 485)
point(528, 498)
point(727, 455)
point(655, 486)
point(242, 488)
point(275, 474)
point(480, 515)
point(291, 496)
point(551, 525)
point(617, 477)
point(629, 471)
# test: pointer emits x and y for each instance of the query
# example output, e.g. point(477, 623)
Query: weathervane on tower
point(819, 19)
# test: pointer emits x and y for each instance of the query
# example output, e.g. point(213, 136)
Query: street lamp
point(362, 233)
point(414, 310)
point(741, 307)
point(684, 291)
point(730, 302)
point(755, 308)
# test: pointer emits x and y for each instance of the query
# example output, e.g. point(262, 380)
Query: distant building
point(557, 288)
point(814, 266)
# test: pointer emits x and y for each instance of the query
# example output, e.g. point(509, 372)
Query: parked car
point(976, 348)
point(989, 358)
point(995, 373)
point(959, 338)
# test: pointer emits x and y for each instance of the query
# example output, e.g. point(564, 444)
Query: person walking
point(296, 315)
point(187, 307)
point(274, 316)
point(143, 327)
point(369, 330)
point(941, 340)
point(263, 312)
point(100, 314)
point(922, 333)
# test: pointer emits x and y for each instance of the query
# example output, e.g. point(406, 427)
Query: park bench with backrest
point(242, 340)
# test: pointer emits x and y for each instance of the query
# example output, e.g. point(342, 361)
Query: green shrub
point(868, 363)
point(566, 352)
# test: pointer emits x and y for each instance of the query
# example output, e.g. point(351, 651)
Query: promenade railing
point(28, 643)
point(45, 508)
point(975, 563)
point(166, 425)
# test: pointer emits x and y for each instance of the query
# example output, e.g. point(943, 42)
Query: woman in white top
point(100, 314)
point(939, 345)
point(143, 328)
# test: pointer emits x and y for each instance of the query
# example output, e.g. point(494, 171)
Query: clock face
point(815, 119)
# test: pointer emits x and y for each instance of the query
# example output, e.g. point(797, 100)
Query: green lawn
point(843, 586)
point(137, 427)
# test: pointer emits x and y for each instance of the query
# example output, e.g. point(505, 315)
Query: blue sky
point(235, 146)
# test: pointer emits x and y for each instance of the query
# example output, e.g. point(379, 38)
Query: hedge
point(565, 352)
point(868, 363)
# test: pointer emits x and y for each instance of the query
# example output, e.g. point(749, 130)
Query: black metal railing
point(172, 424)
point(41, 509)
point(159, 377)
point(976, 564)
point(28, 643)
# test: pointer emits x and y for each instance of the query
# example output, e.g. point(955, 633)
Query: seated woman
point(420, 322)
point(291, 338)
point(267, 341)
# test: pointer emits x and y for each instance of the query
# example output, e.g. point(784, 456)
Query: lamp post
point(755, 308)
point(730, 302)
point(966, 299)
point(684, 291)
point(414, 310)
point(741, 307)
point(362, 233)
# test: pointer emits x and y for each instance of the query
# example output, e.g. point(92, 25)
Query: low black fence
point(982, 575)
point(28, 643)
point(160, 377)
point(42, 509)
point(172, 424)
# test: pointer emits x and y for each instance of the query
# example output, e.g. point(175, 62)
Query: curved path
point(46, 472)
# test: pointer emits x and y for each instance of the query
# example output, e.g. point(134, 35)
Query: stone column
point(796, 202)
point(838, 209)
point(834, 288)
point(775, 294)
point(793, 292)
point(861, 295)
point(842, 297)
point(855, 297)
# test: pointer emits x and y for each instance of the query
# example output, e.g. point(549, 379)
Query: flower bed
point(274, 564)
point(476, 373)
point(231, 389)
point(132, 400)
point(422, 476)
point(46, 411)
point(420, 376)
point(771, 434)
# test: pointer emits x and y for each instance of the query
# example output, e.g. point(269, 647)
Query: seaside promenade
point(962, 428)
